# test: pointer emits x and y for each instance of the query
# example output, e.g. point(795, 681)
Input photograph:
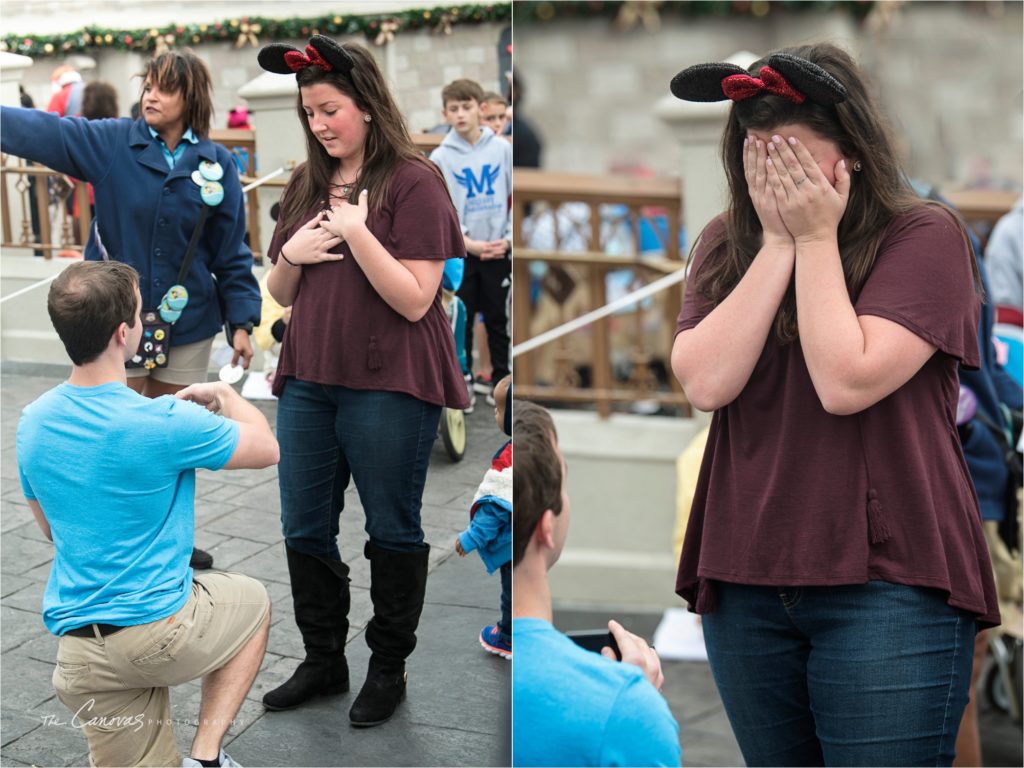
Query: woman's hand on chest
point(311, 244)
point(343, 218)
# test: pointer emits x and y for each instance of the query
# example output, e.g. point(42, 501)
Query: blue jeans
point(870, 674)
point(330, 435)
point(505, 625)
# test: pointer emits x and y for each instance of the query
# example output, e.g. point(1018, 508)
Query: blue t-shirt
point(575, 707)
point(114, 473)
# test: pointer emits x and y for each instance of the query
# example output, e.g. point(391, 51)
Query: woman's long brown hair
point(878, 192)
point(388, 143)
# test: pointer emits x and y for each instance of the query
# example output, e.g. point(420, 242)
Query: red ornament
point(28, 42)
point(216, 26)
point(373, 25)
point(128, 39)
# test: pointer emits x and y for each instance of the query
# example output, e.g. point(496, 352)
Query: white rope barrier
point(28, 288)
point(624, 301)
point(263, 179)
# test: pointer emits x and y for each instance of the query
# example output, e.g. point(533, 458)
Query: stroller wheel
point(1002, 679)
point(453, 433)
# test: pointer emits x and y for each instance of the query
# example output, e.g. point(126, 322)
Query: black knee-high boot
point(320, 594)
point(398, 583)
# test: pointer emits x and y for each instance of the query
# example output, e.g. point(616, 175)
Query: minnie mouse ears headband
point(788, 76)
point(321, 51)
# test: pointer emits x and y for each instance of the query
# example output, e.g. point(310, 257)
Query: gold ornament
point(248, 35)
point(638, 12)
point(444, 24)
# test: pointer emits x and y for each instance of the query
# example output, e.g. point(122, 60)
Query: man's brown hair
point(87, 302)
point(462, 90)
point(537, 477)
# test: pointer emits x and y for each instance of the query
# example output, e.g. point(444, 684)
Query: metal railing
point(576, 239)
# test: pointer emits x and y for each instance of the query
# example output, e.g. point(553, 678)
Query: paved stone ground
point(704, 730)
point(458, 706)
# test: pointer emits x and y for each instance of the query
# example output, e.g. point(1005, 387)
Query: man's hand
point(209, 394)
point(458, 547)
point(635, 650)
point(243, 348)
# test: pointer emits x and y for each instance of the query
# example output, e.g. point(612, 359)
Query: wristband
point(281, 253)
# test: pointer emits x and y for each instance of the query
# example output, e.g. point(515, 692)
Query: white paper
point(679, 636)
point(256, 387)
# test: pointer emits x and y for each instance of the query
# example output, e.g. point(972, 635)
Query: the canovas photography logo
point(84, 717)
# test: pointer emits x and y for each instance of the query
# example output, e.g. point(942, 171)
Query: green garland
point(256, 30)
point(559, 9)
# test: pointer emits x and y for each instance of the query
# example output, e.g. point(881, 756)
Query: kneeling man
point(110, 477)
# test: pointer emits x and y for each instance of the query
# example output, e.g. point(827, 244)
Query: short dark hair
point(537, 478)
point(87, 302)
point(462, 90)
point(181, 71)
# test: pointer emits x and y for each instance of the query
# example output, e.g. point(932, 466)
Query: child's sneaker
point(472, 394)
point(482, 384)
point(490, 639)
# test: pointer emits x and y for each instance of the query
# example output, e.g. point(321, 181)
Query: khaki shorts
point(186, 364)
point(117, 685)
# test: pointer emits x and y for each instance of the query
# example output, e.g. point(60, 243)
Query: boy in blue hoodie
point(478, 168)
point(490, 527)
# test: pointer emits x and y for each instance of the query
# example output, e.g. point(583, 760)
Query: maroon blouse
point(343, 333)
point(791, 495)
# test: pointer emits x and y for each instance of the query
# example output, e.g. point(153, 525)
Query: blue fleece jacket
point(146, 212)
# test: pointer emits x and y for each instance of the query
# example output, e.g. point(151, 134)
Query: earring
point(857, 165)
point(367, 118)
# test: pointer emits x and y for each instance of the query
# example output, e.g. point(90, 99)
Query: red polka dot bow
point(297, 61)
point(740, 87)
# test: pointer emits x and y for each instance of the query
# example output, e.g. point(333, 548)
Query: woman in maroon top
point(834, 544)
point(368, 361)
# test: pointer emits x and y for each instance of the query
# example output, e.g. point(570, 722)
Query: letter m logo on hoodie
point(483, 186)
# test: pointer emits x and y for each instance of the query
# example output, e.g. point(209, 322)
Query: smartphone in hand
point(594, 640)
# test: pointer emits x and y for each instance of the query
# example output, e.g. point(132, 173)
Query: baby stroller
point(1002, 675)
point(453, 420)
